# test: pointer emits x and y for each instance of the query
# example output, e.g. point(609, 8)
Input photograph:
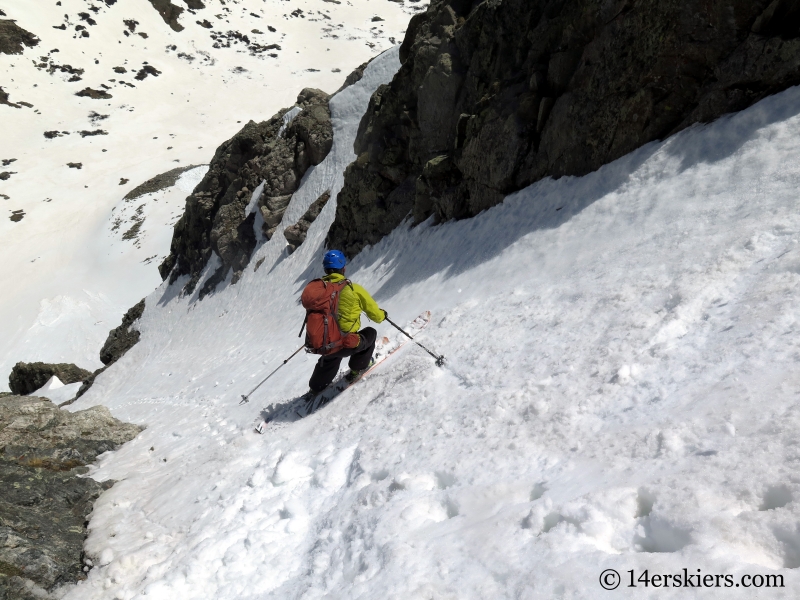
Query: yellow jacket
point(353, 300)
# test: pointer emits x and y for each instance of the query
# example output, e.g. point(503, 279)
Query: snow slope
point(621, 393)
point(175, 96)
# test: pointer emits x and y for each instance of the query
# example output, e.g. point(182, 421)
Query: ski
point(385, 347)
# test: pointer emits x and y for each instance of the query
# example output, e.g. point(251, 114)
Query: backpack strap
point(344, 283)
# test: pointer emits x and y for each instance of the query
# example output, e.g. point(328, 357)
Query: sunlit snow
point(59, 261)
point(620, 393)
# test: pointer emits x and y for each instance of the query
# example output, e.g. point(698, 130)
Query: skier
point(356, 343)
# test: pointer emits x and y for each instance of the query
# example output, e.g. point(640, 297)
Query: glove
point(385, 315)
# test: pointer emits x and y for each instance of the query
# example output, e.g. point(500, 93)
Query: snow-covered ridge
point(620, 394)
point(162, 99)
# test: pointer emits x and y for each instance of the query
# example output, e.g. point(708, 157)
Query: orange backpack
point(323, 336)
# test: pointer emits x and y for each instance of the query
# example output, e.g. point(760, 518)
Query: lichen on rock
point(46, 502)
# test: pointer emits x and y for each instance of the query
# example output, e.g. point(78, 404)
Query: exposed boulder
point(94, 94)
point(145, 71)
point(26, 378)
point(45, 502)
point(493, 96)
point(14, 38)
point(122, 338)
point(296, 234)
point(276, 153)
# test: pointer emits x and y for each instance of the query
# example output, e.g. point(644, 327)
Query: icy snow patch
point(288, 117)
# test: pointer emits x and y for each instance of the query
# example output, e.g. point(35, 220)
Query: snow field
point(58, 260)
point(620, 393)
point(72, 326)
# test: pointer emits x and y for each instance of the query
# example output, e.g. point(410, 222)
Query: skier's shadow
point(298, 408)
point(287, 412)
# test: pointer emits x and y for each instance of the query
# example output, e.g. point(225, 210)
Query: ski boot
point(354, 375)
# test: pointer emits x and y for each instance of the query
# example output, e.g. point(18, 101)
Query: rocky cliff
point(495, 95)
point(45, 502)
point(277, 152)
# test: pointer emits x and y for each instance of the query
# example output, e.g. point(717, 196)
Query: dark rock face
point(94, 94)
point(495, 95)
point(145, 71)
point(14, 38)
point(214, 219)
point(94, 132)
point(124, 337)
point(45, 504)
point(169, 12)
point(4, 99)
point(119, 341)
point(26, 378)
point(296, 234)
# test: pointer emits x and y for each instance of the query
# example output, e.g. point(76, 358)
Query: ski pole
point(247, 397)
point(439, 359)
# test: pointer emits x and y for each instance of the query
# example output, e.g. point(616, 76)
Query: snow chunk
point(288, 118)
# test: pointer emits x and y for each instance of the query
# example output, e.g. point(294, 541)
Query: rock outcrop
point(119, 341)
point(94, 94)
point(122, 338)
point(45, 503)
point(296, 234)
point(277, 152)
point(4, 99)
point(355, 76)
point(14, 38)
point(169, 12)
point(26, 378)
point(495, 95)
point(158, 183)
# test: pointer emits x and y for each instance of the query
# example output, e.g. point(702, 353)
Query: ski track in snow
point(205, 84)
point(621, 392)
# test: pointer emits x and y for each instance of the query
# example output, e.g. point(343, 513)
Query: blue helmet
point(334, 259)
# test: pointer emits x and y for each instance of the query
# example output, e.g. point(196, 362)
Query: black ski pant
point(328, 366)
